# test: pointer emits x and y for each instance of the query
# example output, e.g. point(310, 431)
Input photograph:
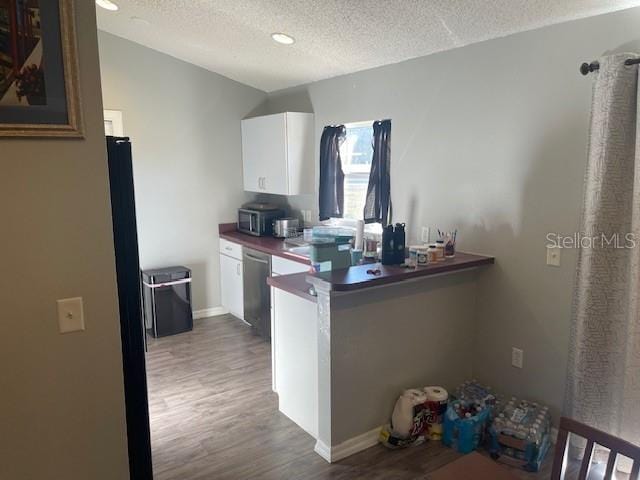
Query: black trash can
point(166, 294)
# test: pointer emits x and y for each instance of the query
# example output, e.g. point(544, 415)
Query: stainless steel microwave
point(257, 219)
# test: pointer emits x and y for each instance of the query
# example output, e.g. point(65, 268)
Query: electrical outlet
point(425, 235)
point(517, 357)
point(553, 256)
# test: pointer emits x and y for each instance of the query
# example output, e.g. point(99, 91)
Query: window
point(356, 153)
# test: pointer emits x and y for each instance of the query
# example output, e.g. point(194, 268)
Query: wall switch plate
point(70, 315)
point(425, 235)
point(553, 256)
point(517, 357)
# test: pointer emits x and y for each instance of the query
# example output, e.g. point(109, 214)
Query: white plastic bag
point(403, 412)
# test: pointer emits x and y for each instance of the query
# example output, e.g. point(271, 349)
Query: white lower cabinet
point(231, 287)
point(280, 266)
point(296, 354)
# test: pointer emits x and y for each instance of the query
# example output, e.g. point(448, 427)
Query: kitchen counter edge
point(269, 245)
point(359, 277)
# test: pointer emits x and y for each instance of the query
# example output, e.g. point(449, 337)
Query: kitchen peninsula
point(343, 357)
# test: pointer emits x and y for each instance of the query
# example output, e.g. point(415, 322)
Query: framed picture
point(39, 90)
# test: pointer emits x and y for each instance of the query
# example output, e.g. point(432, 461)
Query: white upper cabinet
point(277, 153)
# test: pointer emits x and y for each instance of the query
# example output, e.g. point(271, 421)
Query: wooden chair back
point(594, 437)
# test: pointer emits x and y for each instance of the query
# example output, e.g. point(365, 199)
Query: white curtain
point(603, 384)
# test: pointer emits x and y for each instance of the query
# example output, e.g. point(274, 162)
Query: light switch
point(70, 315)
point(517, 357)
point(553, 256)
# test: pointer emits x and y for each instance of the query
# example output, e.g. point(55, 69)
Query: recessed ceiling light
point(283, 38)
point(107, 5)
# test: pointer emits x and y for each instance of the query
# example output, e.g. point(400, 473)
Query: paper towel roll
point(437, 398)
point(436, 394)
point(359, 241)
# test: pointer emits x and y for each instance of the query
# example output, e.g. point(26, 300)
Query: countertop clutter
point(360, 276)
point(364, 276)
point(352, 278)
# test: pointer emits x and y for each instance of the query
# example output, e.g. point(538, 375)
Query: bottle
point(422, 259)
point(440, 247)
point(432, 253)
point(399, 242)
point(388, 246)
point(413, 256)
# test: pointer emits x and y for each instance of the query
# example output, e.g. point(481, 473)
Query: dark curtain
point(377, 208)
point(331, 175)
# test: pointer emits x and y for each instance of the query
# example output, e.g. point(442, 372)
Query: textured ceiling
point(333, 37)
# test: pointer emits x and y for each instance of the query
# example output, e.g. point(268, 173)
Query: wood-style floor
point(214, 416)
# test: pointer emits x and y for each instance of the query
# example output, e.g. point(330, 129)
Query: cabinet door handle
point(238, 268)
point(264, 183)
point(260, 183)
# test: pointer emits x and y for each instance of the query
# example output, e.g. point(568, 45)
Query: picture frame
point(39, 80)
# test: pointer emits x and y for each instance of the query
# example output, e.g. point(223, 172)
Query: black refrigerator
point(125, 239)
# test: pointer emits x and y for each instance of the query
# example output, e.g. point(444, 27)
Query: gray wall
point(491, 139)
point(62, 398)
point(184, 123)
point(384, 340)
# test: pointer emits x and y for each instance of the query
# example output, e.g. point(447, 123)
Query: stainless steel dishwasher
point(257, 295)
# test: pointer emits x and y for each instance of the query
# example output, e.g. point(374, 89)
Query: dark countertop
point(356, 278)
point(269, 245)
point(348, 279)
point(295, 283)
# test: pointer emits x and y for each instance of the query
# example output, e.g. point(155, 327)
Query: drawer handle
point(228, 248)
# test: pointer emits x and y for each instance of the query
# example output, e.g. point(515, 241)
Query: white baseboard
point(323, 450)
point(348, 447)
point(209, 312)
point(367, 440)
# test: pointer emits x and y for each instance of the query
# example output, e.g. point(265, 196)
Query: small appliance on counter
point(286, 227)
point(257, 218)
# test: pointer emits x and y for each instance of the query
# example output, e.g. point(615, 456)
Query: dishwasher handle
point(255, 259)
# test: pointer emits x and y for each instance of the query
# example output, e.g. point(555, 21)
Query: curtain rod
point(587, 68)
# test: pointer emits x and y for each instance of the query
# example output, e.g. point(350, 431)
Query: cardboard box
point(473, 467)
